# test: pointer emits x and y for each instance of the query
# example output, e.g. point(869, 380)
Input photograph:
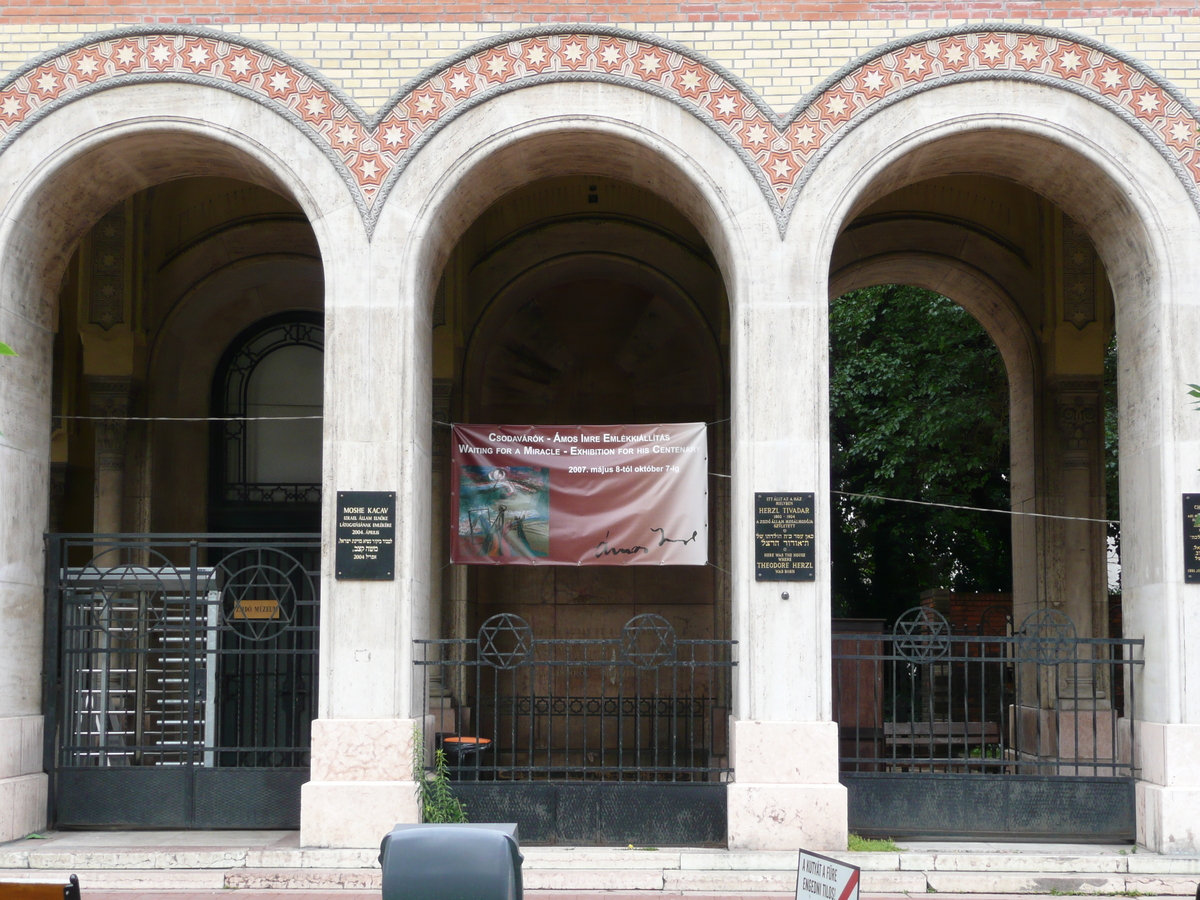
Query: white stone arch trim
point(519, 143)
point(968, 286)
point(781, 152)
point(1001, 317)
point(495, 148)
point(67, 171)
point(1143, 222)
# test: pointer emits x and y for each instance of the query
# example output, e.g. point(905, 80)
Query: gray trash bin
point(451, 862)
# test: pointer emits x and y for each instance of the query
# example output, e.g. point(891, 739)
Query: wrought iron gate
point(1006, 732)
point(182, 674)
point(588, 741)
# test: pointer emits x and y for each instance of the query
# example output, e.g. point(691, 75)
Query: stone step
point(124, 879)
point(561, 881)
point(603, 858)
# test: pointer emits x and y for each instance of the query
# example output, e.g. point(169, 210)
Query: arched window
point(268, 462)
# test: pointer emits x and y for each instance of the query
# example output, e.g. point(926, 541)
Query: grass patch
point(868, 845)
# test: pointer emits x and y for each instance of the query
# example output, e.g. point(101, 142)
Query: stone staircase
point(141, 861)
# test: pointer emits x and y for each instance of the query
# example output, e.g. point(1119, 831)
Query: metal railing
point(644, 706)
point(1037, 700)
point(182, 650)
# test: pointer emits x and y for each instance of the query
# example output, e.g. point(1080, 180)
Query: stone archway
point(63, 174)
point(1081, 161)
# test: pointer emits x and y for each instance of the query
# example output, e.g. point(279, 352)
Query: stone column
point(109, 399)
point(1076, 555)
point(783, 740)
point(24, 475)
point(445, 694)
point(1075, 700)
point(375, 438)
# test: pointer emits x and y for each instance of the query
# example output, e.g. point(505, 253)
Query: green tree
point(918, 411)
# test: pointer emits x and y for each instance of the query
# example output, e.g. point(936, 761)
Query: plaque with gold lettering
point(1191, 538)
point(366, 536)
point(784, 537)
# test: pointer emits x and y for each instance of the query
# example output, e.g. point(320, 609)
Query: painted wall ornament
point(781, 152)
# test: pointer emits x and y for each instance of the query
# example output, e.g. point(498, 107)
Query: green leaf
point(1195, 392)
point(919, 411)
point(6, 350)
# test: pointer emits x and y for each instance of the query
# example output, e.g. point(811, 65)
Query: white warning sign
point(822, 878)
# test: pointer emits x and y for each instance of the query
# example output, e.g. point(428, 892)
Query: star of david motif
point(1048, 637)
point(505, 641)
point(258, 601)
point(921, 635)
point(647, 641)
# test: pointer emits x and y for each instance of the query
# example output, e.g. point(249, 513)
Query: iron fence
point(1034, 700)
point(168, 653)
point(507, 706)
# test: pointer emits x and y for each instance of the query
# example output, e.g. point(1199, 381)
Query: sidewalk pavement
point(271, 865)
point(536, 895)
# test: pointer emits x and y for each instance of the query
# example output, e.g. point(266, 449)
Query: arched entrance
point(586, 300)
point(186, 665)
point(122, 308)
point(1024, 209)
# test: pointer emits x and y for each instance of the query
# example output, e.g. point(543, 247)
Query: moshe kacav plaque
point(784, 537)
point(1191, 538)
point(366, 536)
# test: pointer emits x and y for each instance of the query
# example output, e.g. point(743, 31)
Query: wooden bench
point(40, 890)
point(940, 746)
point(941, 734)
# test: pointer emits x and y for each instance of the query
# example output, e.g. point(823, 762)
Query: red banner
point(580, 495)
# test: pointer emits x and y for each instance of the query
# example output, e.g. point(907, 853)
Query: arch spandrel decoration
point(781, 152)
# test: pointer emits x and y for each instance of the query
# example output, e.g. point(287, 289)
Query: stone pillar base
point(787, 817)
point(1168, 799)
point(786, 794)
point(362, 782)
point(23, 784)
point(354, 814)
point(22, 805)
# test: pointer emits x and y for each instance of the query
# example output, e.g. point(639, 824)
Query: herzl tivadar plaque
point(580, 495)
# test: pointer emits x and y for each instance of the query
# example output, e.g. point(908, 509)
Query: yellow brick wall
point(780, 60)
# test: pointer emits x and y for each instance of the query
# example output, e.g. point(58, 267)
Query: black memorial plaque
point(784, 537)
point(366, 536)
point(1191, 538)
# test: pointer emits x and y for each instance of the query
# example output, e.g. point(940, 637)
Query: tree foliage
point(918, 411)
point(6, 350)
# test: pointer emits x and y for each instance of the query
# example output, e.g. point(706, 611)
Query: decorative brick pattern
point(781, 61)
point(213, 12)
point(780, 151)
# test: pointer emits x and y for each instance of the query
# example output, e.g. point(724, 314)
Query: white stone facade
point(1109, 139)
